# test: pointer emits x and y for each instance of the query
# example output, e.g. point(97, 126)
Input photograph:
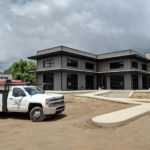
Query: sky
point(95, 26)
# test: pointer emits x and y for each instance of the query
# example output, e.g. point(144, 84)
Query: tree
point(22, 70)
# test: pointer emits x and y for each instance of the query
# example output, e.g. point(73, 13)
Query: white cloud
point(8, 26)
point(96, 26)
point(62, 3)
point(31, 9)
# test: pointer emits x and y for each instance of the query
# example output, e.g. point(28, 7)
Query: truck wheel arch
point(32, 105)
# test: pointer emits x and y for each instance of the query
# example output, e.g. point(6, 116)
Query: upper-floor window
point(134, 64)
point(89, 65)
point(144, 67)
point(116, 65)
point(72, 63)
point(48, 63)
point(4, 78)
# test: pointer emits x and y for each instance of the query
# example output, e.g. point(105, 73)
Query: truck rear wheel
point(36, 114)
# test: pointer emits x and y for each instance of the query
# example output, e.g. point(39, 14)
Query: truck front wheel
point(36, 114)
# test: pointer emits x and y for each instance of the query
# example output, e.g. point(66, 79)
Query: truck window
point(33, 90)
point(17, 92)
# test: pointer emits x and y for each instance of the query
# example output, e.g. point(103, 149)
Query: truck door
point(17, 100)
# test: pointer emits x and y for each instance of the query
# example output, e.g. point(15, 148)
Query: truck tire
point(36, 114)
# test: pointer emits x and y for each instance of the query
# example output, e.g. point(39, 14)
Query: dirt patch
point(73, 130)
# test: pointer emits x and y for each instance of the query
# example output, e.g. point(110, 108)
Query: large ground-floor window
point(89, 79)
point(102, 81)
point(72, 81)
point(135, 81)
point(48, 81)
point(117, 81)
point(149, 82)
point(144, 82)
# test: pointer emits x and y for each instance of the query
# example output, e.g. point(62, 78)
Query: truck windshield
point(33, 90)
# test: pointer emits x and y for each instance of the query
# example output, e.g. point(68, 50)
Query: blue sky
point(95, 26)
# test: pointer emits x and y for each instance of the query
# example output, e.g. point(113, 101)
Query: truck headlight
point(48, 102)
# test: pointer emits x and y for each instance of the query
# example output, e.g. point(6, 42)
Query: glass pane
point(117, 81)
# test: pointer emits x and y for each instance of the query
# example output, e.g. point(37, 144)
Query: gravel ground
point(73, 130)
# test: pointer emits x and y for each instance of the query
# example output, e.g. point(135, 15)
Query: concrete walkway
point(100, 95)
point(119, 117)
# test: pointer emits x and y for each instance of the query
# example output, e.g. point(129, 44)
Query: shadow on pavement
point(25, 116)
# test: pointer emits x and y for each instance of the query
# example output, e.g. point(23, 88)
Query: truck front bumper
point(53, 110)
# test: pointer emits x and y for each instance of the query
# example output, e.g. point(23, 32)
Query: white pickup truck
point(32, 100)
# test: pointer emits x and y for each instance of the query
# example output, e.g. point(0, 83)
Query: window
point(135, 81)
point(134, 64)
point(4, 78)
point(148, 82)
point(117, 81)
point(89, 79)
point(33, 90)
point(72, 63)
point(116, 65)
point(48, 63)
point(48, 80)
point(102, 81)
point(89, 66)
point(17, 92)
point(144, 67)
point(145, 82)
point(72, 81)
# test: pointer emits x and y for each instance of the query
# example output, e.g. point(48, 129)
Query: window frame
point(48, 81)
point(19, 95)
point(144, 67)
point(91, 67)
point(72, 81)
point(117, 81)
point(72, 63)
point(135, 81)
point(134, 64)
point(50, 64)
point(117, 65)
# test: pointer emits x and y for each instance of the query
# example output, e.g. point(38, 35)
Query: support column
point(127, 81)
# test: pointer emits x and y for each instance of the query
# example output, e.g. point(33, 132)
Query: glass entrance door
point(102, 81)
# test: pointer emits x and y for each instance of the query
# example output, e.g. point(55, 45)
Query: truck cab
point(32, 100)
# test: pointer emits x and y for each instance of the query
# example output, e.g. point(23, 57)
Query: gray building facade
point(64, 68)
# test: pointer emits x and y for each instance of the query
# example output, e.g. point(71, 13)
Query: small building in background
point(5, 76)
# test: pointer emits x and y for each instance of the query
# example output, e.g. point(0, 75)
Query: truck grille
point(58, 103)
point(55, 99)
point(59, 108)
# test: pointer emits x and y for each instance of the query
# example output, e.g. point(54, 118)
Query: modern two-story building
point(64, 68)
